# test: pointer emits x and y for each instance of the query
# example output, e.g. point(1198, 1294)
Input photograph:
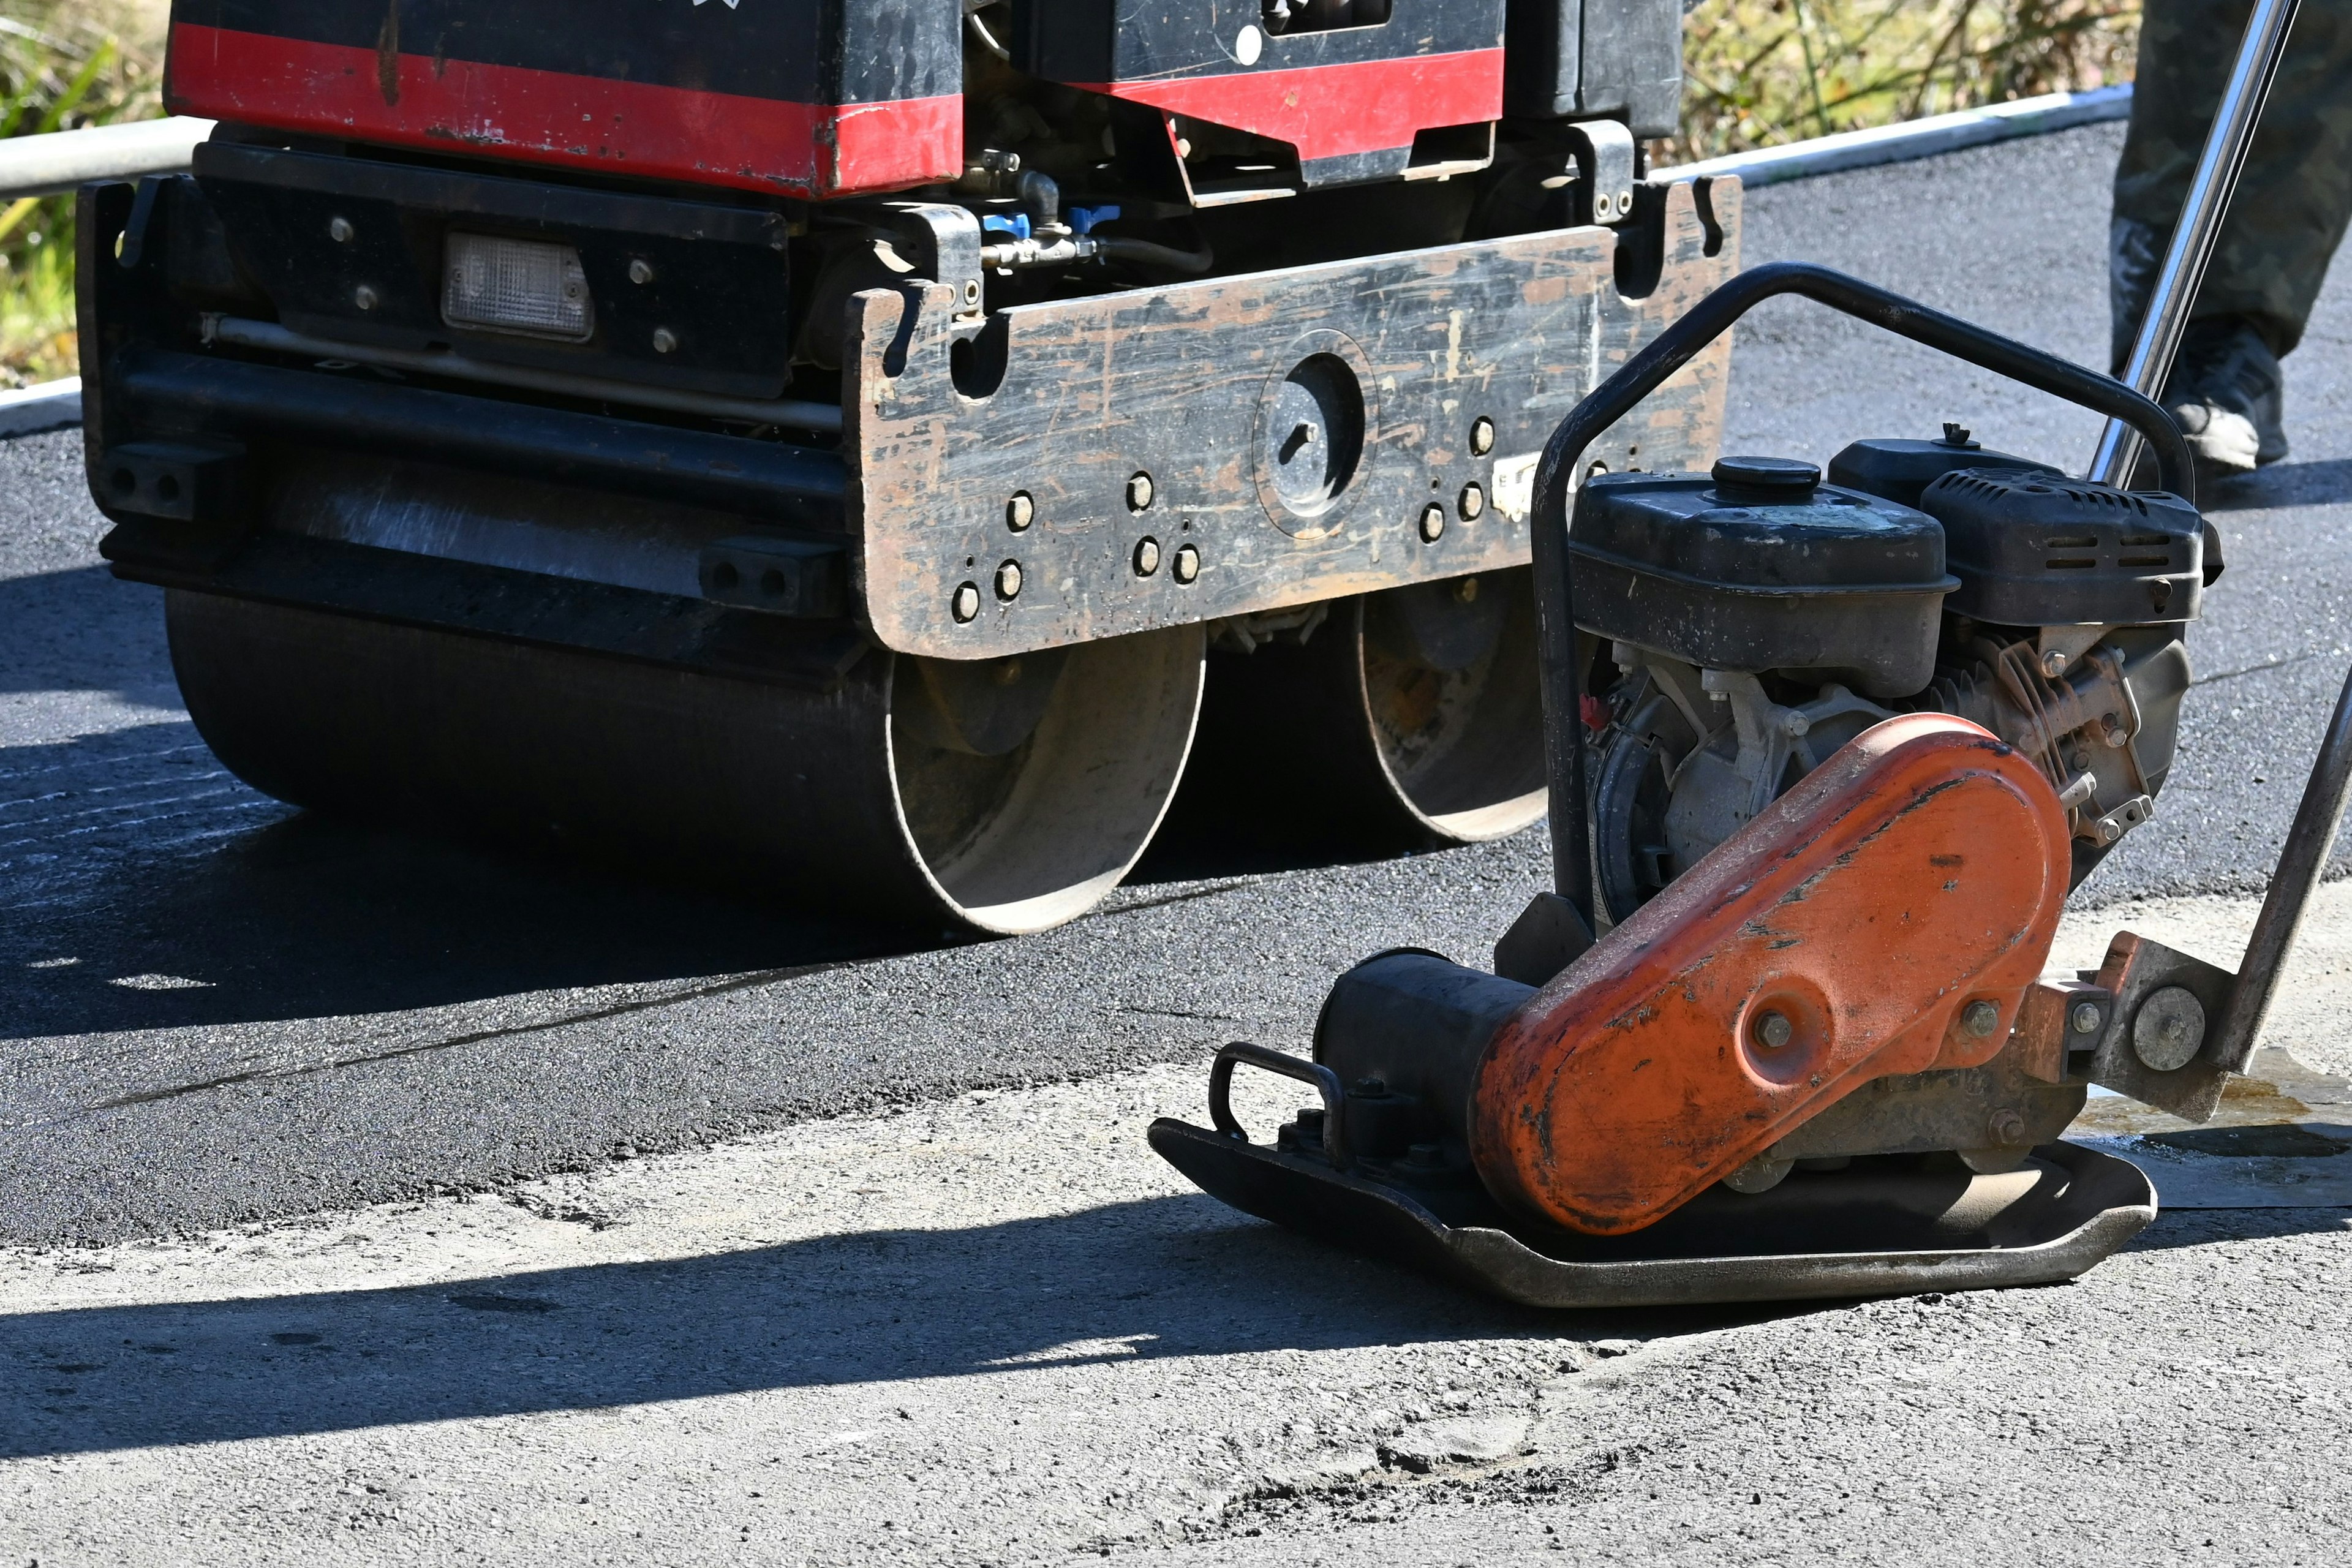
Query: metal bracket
point(943, 242)
point(802, 577)
point(1604, 163)
point(2153, 1047)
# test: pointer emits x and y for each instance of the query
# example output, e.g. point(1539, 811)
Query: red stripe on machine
point(548, 117)
point(1329, 111)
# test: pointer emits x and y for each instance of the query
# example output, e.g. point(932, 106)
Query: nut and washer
point(1139, 492)
point(1981, 1018)
point(1020, 511)
point(1147, 556)
point(1474, 502)
point(2085, 1018)
point(1773, 1030)
point(1432, 523)
point(1008, 581)
point(1482, 436)
point(966, 601)
point(1187, 564)
point(2053, 663)
point(2007, 1127)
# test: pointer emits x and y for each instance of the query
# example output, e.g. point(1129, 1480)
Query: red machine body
point(791, 96)
point(1884, 916)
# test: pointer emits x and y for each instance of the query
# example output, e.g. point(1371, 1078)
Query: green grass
point(63, 64)
point(1758, 73)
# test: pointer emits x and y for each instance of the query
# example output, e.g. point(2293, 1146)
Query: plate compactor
point(851, 445)
point(1863, 733)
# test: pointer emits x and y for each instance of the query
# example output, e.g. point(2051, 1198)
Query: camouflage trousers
point(2291, 207)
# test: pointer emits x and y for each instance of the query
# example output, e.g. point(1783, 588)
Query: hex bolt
point(2053, 663)
point(1147, 556)
point(340, 230)
point(1482, 436)
point(2085, 1017)
point(966, 603)
point(1187, 564)
point(365, 296)
point(664, 341)
point(1139, 492)
point(1020, 511)
point(1432, 522)
point(641, 271)
point(1474, 502)
point(1773, 1030)
point(1465, 592)
point(2006, 1127)
point(1008, 581)
point(1980, 1018)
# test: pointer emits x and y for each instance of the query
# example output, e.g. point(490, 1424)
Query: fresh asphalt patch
point(219, 1009)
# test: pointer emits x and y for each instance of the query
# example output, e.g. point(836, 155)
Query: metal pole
point(2199, 224)
point(2302, 863)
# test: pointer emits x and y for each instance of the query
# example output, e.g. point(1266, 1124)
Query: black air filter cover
point(1760, 566)
point(1901, 470)
point(2034, 550)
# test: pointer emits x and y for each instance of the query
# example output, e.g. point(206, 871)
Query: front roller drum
point(1008, 796)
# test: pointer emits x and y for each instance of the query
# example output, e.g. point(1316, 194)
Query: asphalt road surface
point(219, 1013)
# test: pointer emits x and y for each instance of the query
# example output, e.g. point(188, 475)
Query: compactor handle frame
point(1571, 850)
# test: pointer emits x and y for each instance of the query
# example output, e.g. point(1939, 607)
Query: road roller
point(853, 449)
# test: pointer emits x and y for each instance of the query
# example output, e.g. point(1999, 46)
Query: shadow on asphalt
point(307, 917)
point(1152, 1279)
point(2321, 483)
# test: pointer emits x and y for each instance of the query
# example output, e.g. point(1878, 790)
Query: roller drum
point(832, 792)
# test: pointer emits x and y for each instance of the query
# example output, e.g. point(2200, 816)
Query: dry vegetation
point(1760, 72)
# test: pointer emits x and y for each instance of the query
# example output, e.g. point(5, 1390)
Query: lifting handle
point(1571, 852)
point(1326, 1082)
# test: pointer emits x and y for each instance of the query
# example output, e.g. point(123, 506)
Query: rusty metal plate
point(1218, 391)
point(2137, 970)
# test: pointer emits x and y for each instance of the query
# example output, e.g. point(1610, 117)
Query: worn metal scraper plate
point(1880, 1229)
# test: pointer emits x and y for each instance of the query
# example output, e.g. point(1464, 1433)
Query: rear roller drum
point(1403, 720)
point(1008, 796)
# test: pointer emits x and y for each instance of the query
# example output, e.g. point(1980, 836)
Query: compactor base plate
point(1884, 1226)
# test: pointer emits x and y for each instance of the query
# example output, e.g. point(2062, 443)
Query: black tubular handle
point(1640, 375)
point(1326, 1082)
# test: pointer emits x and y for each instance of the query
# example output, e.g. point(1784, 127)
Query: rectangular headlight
point(516, 285)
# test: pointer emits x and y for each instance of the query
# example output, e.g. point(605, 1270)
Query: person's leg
point(2284, 224)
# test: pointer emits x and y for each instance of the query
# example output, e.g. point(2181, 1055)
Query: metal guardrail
point(61, 160)
point(42, 165)
point(1914, 137)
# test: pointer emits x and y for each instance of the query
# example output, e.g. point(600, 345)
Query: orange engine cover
point(1919, 871)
